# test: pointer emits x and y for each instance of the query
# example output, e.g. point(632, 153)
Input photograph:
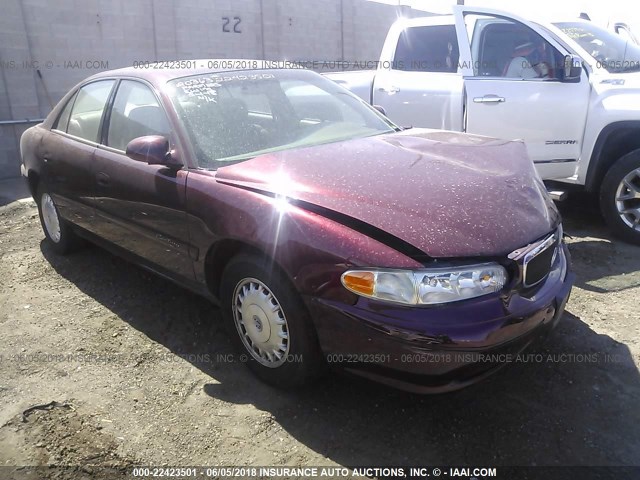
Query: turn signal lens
point(360, 282)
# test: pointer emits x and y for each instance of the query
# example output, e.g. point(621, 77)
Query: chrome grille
point(535, 260)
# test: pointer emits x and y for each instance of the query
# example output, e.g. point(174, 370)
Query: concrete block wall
point(69, 40)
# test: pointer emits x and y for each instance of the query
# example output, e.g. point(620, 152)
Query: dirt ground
point(142, 375)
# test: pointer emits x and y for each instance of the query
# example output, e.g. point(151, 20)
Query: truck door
point(419, 84)
point(514, 84)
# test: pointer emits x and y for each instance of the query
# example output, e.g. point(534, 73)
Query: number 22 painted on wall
point(236, 26)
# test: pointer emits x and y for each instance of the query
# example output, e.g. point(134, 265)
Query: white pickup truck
point(569, 89)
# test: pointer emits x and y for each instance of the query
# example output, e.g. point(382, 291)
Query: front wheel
point(61, 236)
point(620, 197)
point(269, 323)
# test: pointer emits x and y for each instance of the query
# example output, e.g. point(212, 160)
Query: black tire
point(67, 241)
point(608, 192)
point(305, 360)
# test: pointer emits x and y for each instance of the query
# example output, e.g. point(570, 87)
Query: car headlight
point(428, 286)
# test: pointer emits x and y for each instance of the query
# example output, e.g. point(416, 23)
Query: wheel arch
point(220, 254)
point(33, 180)
point(615, 140)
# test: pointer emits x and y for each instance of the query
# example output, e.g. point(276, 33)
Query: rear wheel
point(269, 323)
point(620, 197)
point(61, 236)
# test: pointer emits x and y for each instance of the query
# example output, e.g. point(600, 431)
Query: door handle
point(390, 90)
point(102, 179)
point(489, 99)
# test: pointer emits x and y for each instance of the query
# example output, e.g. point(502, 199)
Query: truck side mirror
point(572, 69)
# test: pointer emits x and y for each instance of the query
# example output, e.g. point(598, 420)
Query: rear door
point(513, 80)
point(420, 85)
point(68, 152)
point(140, 207)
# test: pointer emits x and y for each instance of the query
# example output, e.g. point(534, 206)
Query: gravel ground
point(142, 375)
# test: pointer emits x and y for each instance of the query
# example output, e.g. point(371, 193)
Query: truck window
point(625, 33)
point(427, 49)
point(502, 47)
point(611, 51)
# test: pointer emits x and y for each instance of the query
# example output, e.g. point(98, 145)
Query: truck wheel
point(620, 197)
point(58, 232)
point(269, 323)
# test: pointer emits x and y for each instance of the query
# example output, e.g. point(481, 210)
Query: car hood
point(447, 194)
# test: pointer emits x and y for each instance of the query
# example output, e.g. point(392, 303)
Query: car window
point(63, 120)
point(86, 114)
point(427, 49)
point(257, 102)
point(314, 105)
point(135, 113)
point(502, 47)
point(231, 117)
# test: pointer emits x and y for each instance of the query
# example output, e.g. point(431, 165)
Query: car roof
point(576, 20)
point(158, 73)
point(446, 19)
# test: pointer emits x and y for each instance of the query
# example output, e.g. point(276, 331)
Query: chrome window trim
point(73, 137)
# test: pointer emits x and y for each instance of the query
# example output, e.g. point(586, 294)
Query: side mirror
point(154, 150)
point(380, 109)
point(572, 69)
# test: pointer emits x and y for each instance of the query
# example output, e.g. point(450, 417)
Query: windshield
point(234, 116)
point(611, 51)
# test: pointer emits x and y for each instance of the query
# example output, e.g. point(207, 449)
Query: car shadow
point(603, 263)
point(13, 189)
point(571, 400)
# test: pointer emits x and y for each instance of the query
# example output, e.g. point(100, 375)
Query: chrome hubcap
point(628, 199)
point(261, 322)
point(50, 217)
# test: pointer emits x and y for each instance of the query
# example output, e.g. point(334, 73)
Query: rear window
point(88, 108)
point(428, 49)
point(63, 120)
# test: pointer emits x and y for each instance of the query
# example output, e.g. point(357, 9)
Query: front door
point(140, 207)
point(513, 79)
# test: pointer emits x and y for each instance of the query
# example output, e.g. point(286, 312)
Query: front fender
point(607, 147)
point(311, 249)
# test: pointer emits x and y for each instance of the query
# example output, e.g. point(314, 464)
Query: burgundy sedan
point(329, 236)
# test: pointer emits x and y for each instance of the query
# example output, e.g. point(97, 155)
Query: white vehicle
point(569, 89)
point(625, 31)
